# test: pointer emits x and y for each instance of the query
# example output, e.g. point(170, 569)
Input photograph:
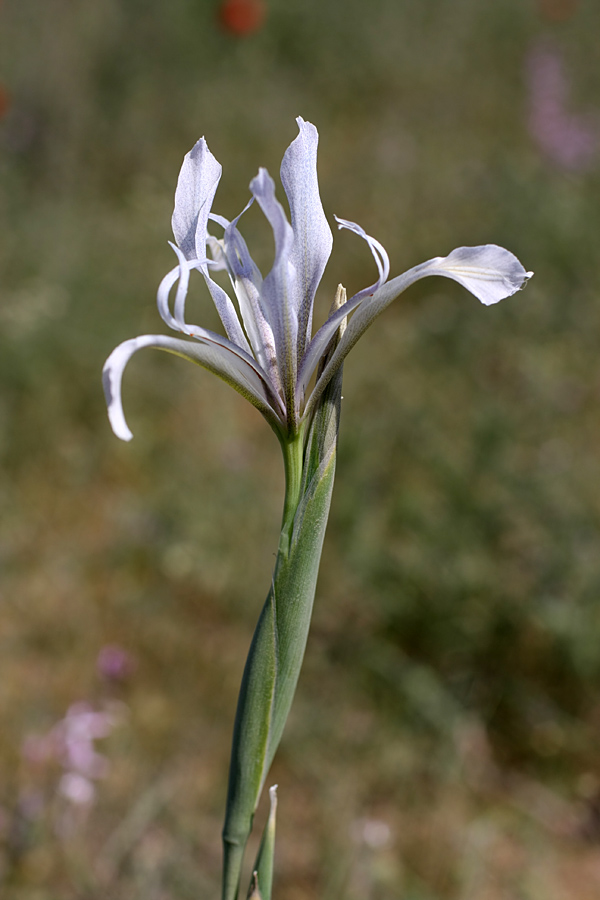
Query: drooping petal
point(379, 252)
point(211, 353)
point(196, 187)
point(162, 295)
point(321, 340)
point(312, 235)
point(220, 298)
point(489, 272)
point(278, 288)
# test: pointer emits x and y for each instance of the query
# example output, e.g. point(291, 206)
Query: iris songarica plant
point(269, 354)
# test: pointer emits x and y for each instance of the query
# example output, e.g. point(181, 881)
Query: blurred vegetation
point(443, 745)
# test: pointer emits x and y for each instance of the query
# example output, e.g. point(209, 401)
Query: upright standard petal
point(211, 352)
point(489, 272)
point(312, 235)
point(196, 187)
point(279, 289)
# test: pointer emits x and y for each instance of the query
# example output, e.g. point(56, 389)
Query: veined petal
point(312, 235)
point(321, 340)
point(247, 283)
point(489, 272)
point(278, 288)
point(196, 187)
point(227, 312)
point(210, 353)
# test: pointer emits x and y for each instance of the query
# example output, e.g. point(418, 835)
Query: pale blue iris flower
point(269, 353)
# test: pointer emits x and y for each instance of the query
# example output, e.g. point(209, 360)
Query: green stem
point(277, 650)
point(293, 458)
point(252, 736)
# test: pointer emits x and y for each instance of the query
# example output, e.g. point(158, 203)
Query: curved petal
point(312, 235)
point(322, 338)
point(379, 252)
point(220, 298)
point(278, 288)
point(489, 272)
point(182, 288)
point(210, 354)
point(162, 296)
point(221, 220)
point(196, 187)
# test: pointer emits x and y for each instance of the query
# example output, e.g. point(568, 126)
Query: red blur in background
point(241, 17)
point(558, 10)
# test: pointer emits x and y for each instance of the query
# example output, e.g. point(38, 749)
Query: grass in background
point(443, 744)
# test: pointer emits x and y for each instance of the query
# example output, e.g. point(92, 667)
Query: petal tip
point(111, 382)
point(491, 273)
point(119, 426)
point(304, 125)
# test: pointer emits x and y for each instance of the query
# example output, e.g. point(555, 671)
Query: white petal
point(247, 283)
point(312, 235)
point(220, 298)
point(278, 291)
point(321, 340)
point(490, 272)
point(196, 187)
point(379, 252)
point(211, 352)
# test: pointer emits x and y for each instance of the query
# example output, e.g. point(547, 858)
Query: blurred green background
point(444, 740)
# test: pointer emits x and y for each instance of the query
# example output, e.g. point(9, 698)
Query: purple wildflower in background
point(114, 663)
point(569, 140)
point(70, 743)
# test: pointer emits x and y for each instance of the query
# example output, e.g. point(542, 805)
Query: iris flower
point(268, 352)
point(270, 355)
